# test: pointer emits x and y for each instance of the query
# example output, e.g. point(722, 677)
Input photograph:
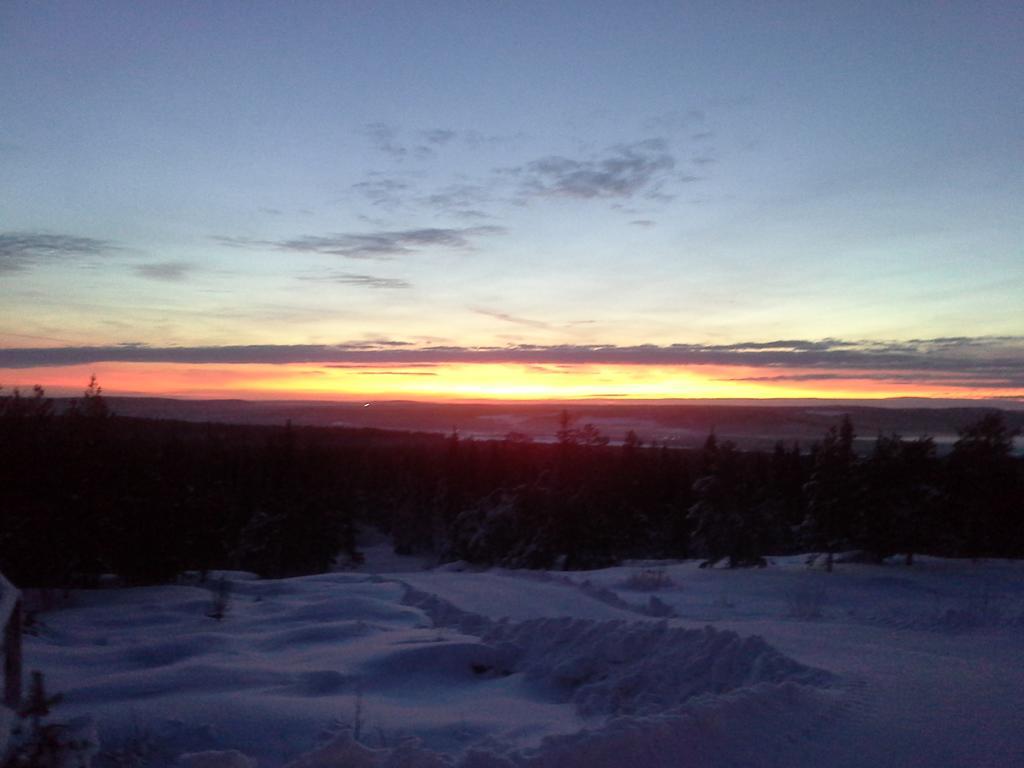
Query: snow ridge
point(641, 668)
point(618, 667)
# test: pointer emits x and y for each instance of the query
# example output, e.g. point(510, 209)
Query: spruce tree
point(831, 492)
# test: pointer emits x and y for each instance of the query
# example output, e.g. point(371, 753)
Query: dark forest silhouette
point(84, 492)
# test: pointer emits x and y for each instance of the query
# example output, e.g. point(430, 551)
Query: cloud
point(992, 362)
point(382, 245)
point(642, 223)
point(168, 271)
point(639, 169)
point(623, 171)
point(22, 250)
point(1007, 380)
point(365, 281)
point(439, 136)
point(510, 318)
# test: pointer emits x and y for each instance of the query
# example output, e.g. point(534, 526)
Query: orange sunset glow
point(688, 226)
point(482, 381)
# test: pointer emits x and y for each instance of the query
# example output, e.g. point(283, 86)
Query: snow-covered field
point(650, 664)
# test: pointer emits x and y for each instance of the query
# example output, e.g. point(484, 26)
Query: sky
point(531, 200)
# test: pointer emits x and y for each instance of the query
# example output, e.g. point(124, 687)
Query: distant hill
point(677, 424)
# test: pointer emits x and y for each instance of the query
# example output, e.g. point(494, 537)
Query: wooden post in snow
point(12, 658)
point(10, 617)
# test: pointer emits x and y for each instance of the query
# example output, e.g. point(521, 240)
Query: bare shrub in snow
point(220, 599)
point(39, 744)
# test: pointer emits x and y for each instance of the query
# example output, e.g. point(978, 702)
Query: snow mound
point(617, 667)
point(293, 662)
point(445, 614)
point(641, 668)
point(603, 594)
point(391, 661)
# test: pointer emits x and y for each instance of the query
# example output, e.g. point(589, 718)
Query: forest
point(85, 493)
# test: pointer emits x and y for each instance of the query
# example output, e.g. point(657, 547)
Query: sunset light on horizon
point(536, 201)
point(457, 382)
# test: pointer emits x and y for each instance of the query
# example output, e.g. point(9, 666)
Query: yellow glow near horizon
point(474, 381)
point(503, 381)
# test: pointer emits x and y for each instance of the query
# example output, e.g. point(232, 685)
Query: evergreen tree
point(899, 497)
point(831, 492)
point(984, 489)
point(786, 488)
point(725, 522)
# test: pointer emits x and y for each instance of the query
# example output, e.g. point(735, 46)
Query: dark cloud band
point(996, 362)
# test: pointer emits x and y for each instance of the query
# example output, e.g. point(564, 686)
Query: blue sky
point(483, 174)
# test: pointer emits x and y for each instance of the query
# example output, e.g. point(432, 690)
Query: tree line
point(84, 492)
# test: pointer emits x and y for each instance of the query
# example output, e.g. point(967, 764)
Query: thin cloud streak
point(953, 379)
point(980, 361)
point(514, 319)
point(21, 250)
point(164, 271)
point(383, 245)
point(363, 281)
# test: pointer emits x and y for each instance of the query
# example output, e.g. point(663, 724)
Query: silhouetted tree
point(831, 492)
point(726, 524)
point(898, 502)
point(984, 492)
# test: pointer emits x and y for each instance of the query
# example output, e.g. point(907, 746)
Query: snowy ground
point(649, 664)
